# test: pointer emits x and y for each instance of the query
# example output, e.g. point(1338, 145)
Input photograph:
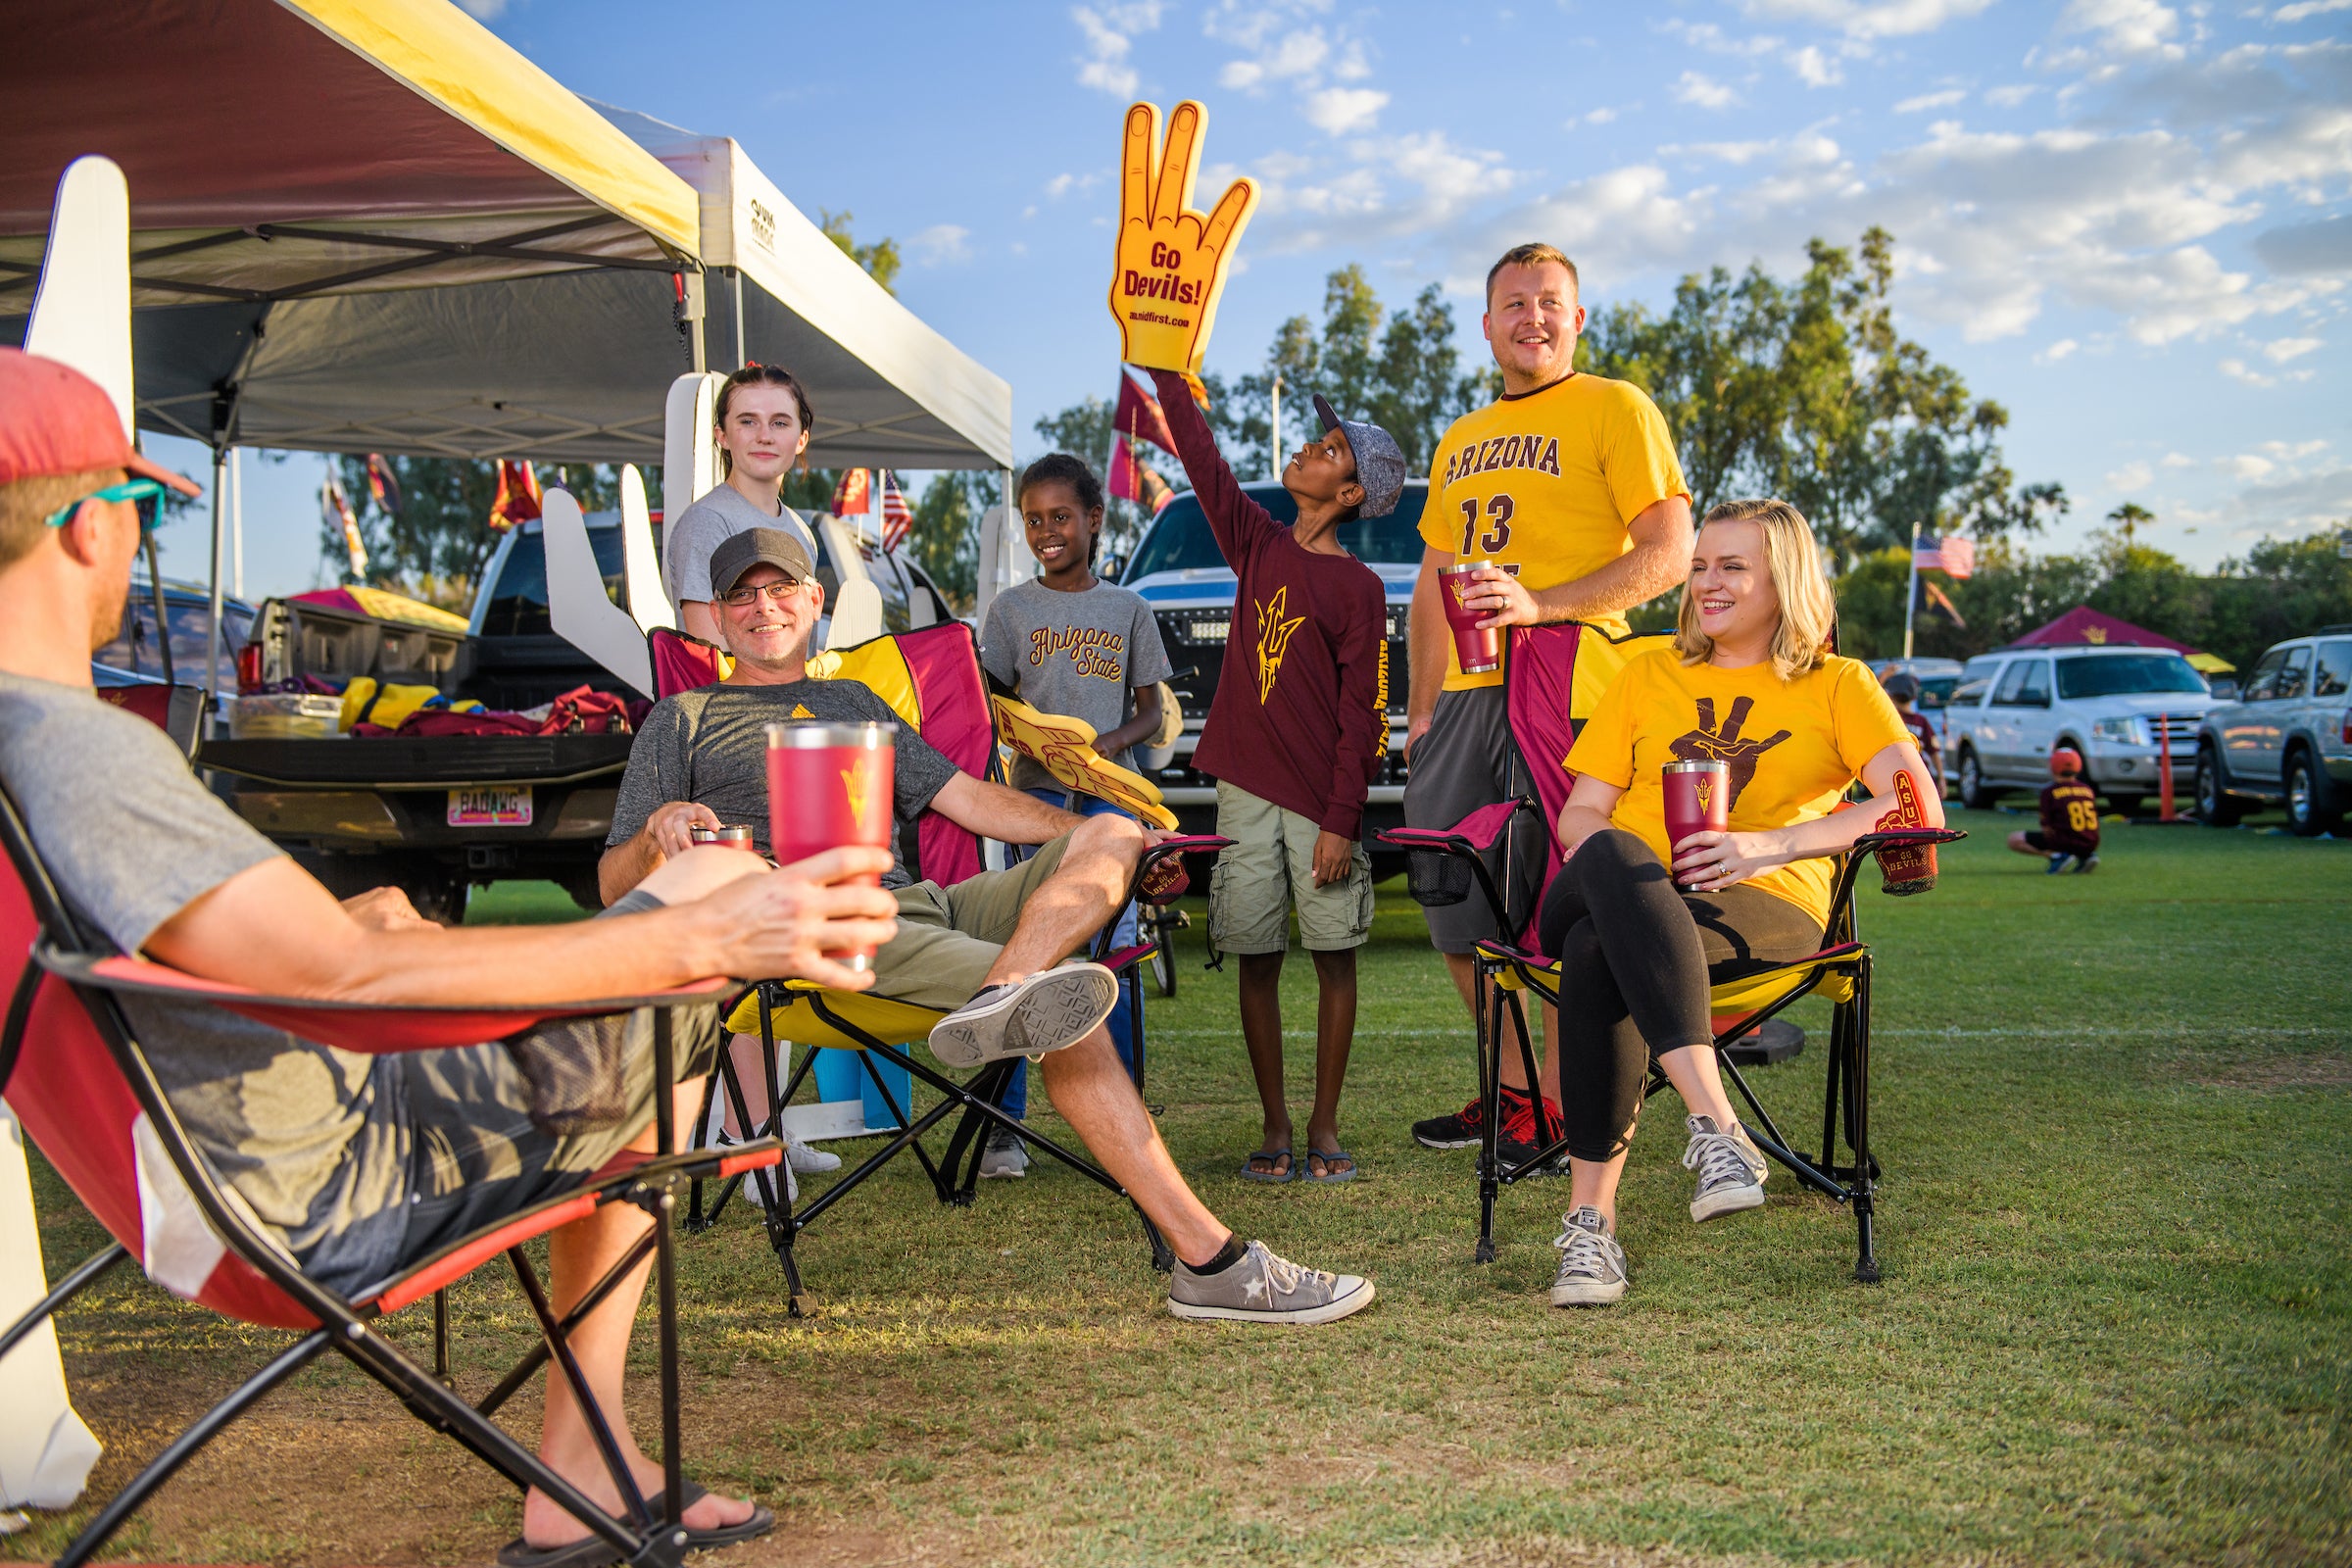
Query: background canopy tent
point(372, 225)
point(2084, 624)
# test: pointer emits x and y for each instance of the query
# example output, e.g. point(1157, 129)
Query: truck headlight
point(2122, 731)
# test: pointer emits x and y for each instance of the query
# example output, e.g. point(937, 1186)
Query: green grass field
point(2115, 1324)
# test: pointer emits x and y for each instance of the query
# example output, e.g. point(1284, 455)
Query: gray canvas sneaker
point(1003, 1156)
point(1049, 1009)
point(1730, 1169)
point(1592, 1263)
point(1262, 1288)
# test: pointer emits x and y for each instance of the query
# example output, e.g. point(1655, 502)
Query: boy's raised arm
point(1240, 523)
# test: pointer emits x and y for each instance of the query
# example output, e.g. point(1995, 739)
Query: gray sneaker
point(1730, 1169)
point(1051, 1009)
point(1265, 1289)
point(1003, 1155)
point(1592, 1263)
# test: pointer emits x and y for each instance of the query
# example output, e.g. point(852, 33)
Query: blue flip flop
point(1329, 1158)
point(1271, 1178)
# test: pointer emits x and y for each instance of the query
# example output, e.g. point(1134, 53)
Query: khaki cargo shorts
point(1270, 868)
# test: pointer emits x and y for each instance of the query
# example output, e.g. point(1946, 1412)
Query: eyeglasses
point(148, 493)
point(745, 598)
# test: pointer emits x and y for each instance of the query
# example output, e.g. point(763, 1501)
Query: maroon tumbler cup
point(1699, 800)
point(829, 784)
point(1480, 649)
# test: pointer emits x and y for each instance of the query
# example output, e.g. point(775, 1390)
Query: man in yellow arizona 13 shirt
point(1570, 484)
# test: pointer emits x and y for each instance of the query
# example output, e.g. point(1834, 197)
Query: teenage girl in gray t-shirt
point(764, 419)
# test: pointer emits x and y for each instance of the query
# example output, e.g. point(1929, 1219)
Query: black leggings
point(1637, 956)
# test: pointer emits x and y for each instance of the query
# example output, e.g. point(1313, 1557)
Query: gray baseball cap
point(739, 552)
point(1379, 460)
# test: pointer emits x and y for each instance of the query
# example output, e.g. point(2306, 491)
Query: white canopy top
point(372, 225)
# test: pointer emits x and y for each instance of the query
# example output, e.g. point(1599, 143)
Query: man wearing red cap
point(358, 1163)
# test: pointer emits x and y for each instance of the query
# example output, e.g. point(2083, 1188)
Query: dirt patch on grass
point(2271, 1073)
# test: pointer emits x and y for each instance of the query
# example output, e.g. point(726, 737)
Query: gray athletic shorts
point(1464, 761)
point(473, 1154)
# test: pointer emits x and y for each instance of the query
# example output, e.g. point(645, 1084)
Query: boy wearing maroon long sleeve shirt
point(1296, 735)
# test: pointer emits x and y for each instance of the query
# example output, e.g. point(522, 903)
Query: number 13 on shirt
point(1496, 536)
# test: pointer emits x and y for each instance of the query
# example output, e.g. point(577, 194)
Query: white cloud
point(1815, 68)
point(2299, 12)
point(1703, 92)
point(1930, 99)
point(491, 9)
point(1111, 32)
point(1599, 116)
point(2237, 371)
point(1062, 185)
point(1868, 18)
point(1337, 111)
point(942, 244)
point(2176, 460)
point(1298, 54)
point(2249, 467)
point(2131, 476)
point(2281, 350)
point(2057, 350)
point(2124, 26)
point(2010, 97)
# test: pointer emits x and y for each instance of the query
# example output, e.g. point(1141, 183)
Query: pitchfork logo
point(1705, 789)
point(859, 785)
point(1273, 637)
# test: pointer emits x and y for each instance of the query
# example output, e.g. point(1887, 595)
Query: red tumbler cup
point(829, 784)
point(1699, 800)
point(1478, 648)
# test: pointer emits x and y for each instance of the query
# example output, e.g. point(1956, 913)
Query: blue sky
point(2129, 221)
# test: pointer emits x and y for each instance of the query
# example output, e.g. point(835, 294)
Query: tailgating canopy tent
point(372, 225)
point(2084, 624)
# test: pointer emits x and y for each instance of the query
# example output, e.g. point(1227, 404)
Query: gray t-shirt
point(710, 745)
point(1081, 655)
point(718, 516)
point(315, 1139)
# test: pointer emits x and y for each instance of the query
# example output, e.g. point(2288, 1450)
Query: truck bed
point(388, 763)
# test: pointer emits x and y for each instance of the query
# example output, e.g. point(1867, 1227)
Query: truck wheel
point(2215, 806)
point(2125, 803)
point(2311, 808)
point(437, 890)
point(585, 892)
point(438, 893)
point(1973, 793)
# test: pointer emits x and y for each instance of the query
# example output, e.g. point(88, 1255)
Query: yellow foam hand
point(1064, 746)
point(1171, 258)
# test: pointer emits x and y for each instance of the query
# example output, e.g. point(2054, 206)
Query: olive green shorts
point(1270, 868)
point(949, 938)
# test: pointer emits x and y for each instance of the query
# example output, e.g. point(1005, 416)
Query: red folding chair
point(931, 677)
point(80, 1079)
point(1449, 863)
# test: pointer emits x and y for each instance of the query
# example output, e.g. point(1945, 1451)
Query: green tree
point(946, 537)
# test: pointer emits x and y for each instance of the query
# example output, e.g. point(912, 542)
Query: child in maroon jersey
point(2070, 817)
point(1296, 732)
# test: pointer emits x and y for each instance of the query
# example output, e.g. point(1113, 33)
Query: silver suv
point(2287, 738)
point(2016, 706)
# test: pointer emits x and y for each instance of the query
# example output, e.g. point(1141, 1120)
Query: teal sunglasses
point(148, 493)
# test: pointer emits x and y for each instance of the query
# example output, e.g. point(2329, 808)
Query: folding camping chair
point(80, 1080)
point(931, 678)
point(1542, 715)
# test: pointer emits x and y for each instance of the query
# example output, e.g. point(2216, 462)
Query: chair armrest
point(373, 1028)
point(1894, 838)
point(1476, 832)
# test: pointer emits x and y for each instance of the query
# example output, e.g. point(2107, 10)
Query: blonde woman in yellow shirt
point(1748, 681)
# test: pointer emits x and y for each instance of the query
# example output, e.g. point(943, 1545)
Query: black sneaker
point(1515, 1141)
point(1463, 1129)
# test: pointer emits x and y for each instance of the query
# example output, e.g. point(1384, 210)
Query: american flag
point(897, 517)
point(1950, 555)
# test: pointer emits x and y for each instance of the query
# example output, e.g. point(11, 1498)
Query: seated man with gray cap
point(990, 951)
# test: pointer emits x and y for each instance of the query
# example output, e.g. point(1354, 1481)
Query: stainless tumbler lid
point(810, 734)
point(1707, 765)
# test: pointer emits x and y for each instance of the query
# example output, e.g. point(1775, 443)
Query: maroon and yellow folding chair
point(1546, 697)
point(931, 677)
point(80, 1080)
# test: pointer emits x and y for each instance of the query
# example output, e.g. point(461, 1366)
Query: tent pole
point(740, 361)
point(211, 636)
point(1274, 429)
point(236, 521)
point(1911, 590)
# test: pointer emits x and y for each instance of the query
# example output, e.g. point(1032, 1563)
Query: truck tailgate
point(387, 762)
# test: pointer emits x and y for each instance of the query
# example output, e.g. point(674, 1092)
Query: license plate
point(495, 807)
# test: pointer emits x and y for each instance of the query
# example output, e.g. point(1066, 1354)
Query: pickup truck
point(2287, 738)
point(1179, 571)
point(437, 816)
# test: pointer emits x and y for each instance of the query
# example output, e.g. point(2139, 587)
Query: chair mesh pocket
point(1436, 878)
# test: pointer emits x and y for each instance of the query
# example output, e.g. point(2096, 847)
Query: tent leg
point(213, 638)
